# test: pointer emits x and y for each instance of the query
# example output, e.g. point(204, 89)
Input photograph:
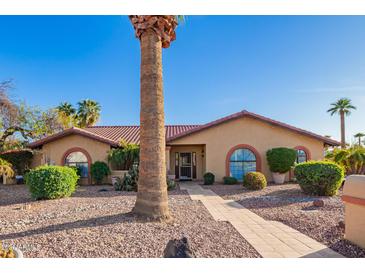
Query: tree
point(359, 136)
point(154, 33)
point(67, 115)
point(342, 107)
point(20, 123)
point(14, 118)
point(88, 113)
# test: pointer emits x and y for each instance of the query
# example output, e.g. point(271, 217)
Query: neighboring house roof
point(245, 113)
point(113, 134)
point(110, 134)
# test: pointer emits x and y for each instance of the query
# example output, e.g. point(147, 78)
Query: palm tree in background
point(359, 136)
point(88, 113)
point(342, 107)
point(66, 115)
point(154, 33)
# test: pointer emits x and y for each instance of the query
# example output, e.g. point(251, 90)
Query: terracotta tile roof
point(131, 133)
point(246, 113)
point(111, 134)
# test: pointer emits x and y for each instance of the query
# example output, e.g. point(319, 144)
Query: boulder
point(178, 249)
point(318, 203)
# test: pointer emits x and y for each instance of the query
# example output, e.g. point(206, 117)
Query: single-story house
point(230, 146)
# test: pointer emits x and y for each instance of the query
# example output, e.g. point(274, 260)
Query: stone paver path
point(270, 238)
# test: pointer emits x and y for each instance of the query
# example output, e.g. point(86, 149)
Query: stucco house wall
point(220, 139)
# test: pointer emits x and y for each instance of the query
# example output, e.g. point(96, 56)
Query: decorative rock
point(178, 249)
point(341, 224)
point(318, 203)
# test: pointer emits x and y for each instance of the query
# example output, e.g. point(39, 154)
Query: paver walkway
point(271, 239)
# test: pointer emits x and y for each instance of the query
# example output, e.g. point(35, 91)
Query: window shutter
point(194, 165)
point(177, 165)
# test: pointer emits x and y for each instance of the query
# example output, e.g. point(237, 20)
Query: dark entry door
point(185, 166)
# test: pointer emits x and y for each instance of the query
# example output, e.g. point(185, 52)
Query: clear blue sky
point(285, 67)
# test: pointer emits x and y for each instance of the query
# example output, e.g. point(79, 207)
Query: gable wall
point(260, 135)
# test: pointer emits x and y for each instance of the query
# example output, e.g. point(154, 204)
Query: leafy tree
point(352, 159)
point(342, 107)
point(88, 113)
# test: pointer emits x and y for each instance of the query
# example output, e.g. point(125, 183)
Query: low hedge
point(99, 170)
point(281, 159)
point(254, 181)
point(209, 178)
point(230, 180)
point(321, 178)
point(51, 182)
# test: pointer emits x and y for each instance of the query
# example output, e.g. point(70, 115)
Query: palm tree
point(66, 115)
point(88, 113)
point(359, 136)
point(343, 107)
point(154, 33)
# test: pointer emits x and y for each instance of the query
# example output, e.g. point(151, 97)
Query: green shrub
point(281, 159)
point(129, 181)
point(319, 177)
point(230, 180)
point(51, 182)
point(171, 184)
point(209, 178)
point(254, 181)
point(99, 170)
point(125, 157)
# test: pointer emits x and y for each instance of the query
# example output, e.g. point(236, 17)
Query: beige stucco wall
point(262, 136)
point(53, 152)
point(200, 158)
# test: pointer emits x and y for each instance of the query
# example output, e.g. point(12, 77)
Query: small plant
point(254, 181)
point(209, 178)
point(6, 253)
point(129, 181)
point(281, 159)
point(51, 182)
point(171, 184)
point(230, 180)
point(99, 170)
point(321, 178)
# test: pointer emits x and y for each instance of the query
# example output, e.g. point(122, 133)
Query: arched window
point(301, 156)
point(78, 159)
point(242, 161)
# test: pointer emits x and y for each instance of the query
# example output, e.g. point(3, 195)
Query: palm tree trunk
point(359, 141)
point(343, 140)
point(152, 198)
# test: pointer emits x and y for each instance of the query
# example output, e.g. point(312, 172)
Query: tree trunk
point(152, 198)
point(343, 140)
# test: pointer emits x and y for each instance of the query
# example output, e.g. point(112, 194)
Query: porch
point(186, 162)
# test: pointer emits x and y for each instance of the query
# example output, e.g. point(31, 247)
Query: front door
point(186, 166)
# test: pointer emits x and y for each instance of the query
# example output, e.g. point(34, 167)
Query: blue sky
point(288, 68)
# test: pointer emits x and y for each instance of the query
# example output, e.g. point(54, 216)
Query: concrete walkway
point(271, 239)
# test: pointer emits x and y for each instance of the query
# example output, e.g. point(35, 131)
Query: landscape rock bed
point(98, 224)
point(287, 204)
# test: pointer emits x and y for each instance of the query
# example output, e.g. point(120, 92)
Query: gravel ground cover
point(98, 224)
point(286, 203)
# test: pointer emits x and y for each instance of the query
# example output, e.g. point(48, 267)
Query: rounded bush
point(281, 159)
point(99, 170)
point(230, 180)
point(51, 182)
point(321, 178)
point(254, 180)
point(209, 178)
